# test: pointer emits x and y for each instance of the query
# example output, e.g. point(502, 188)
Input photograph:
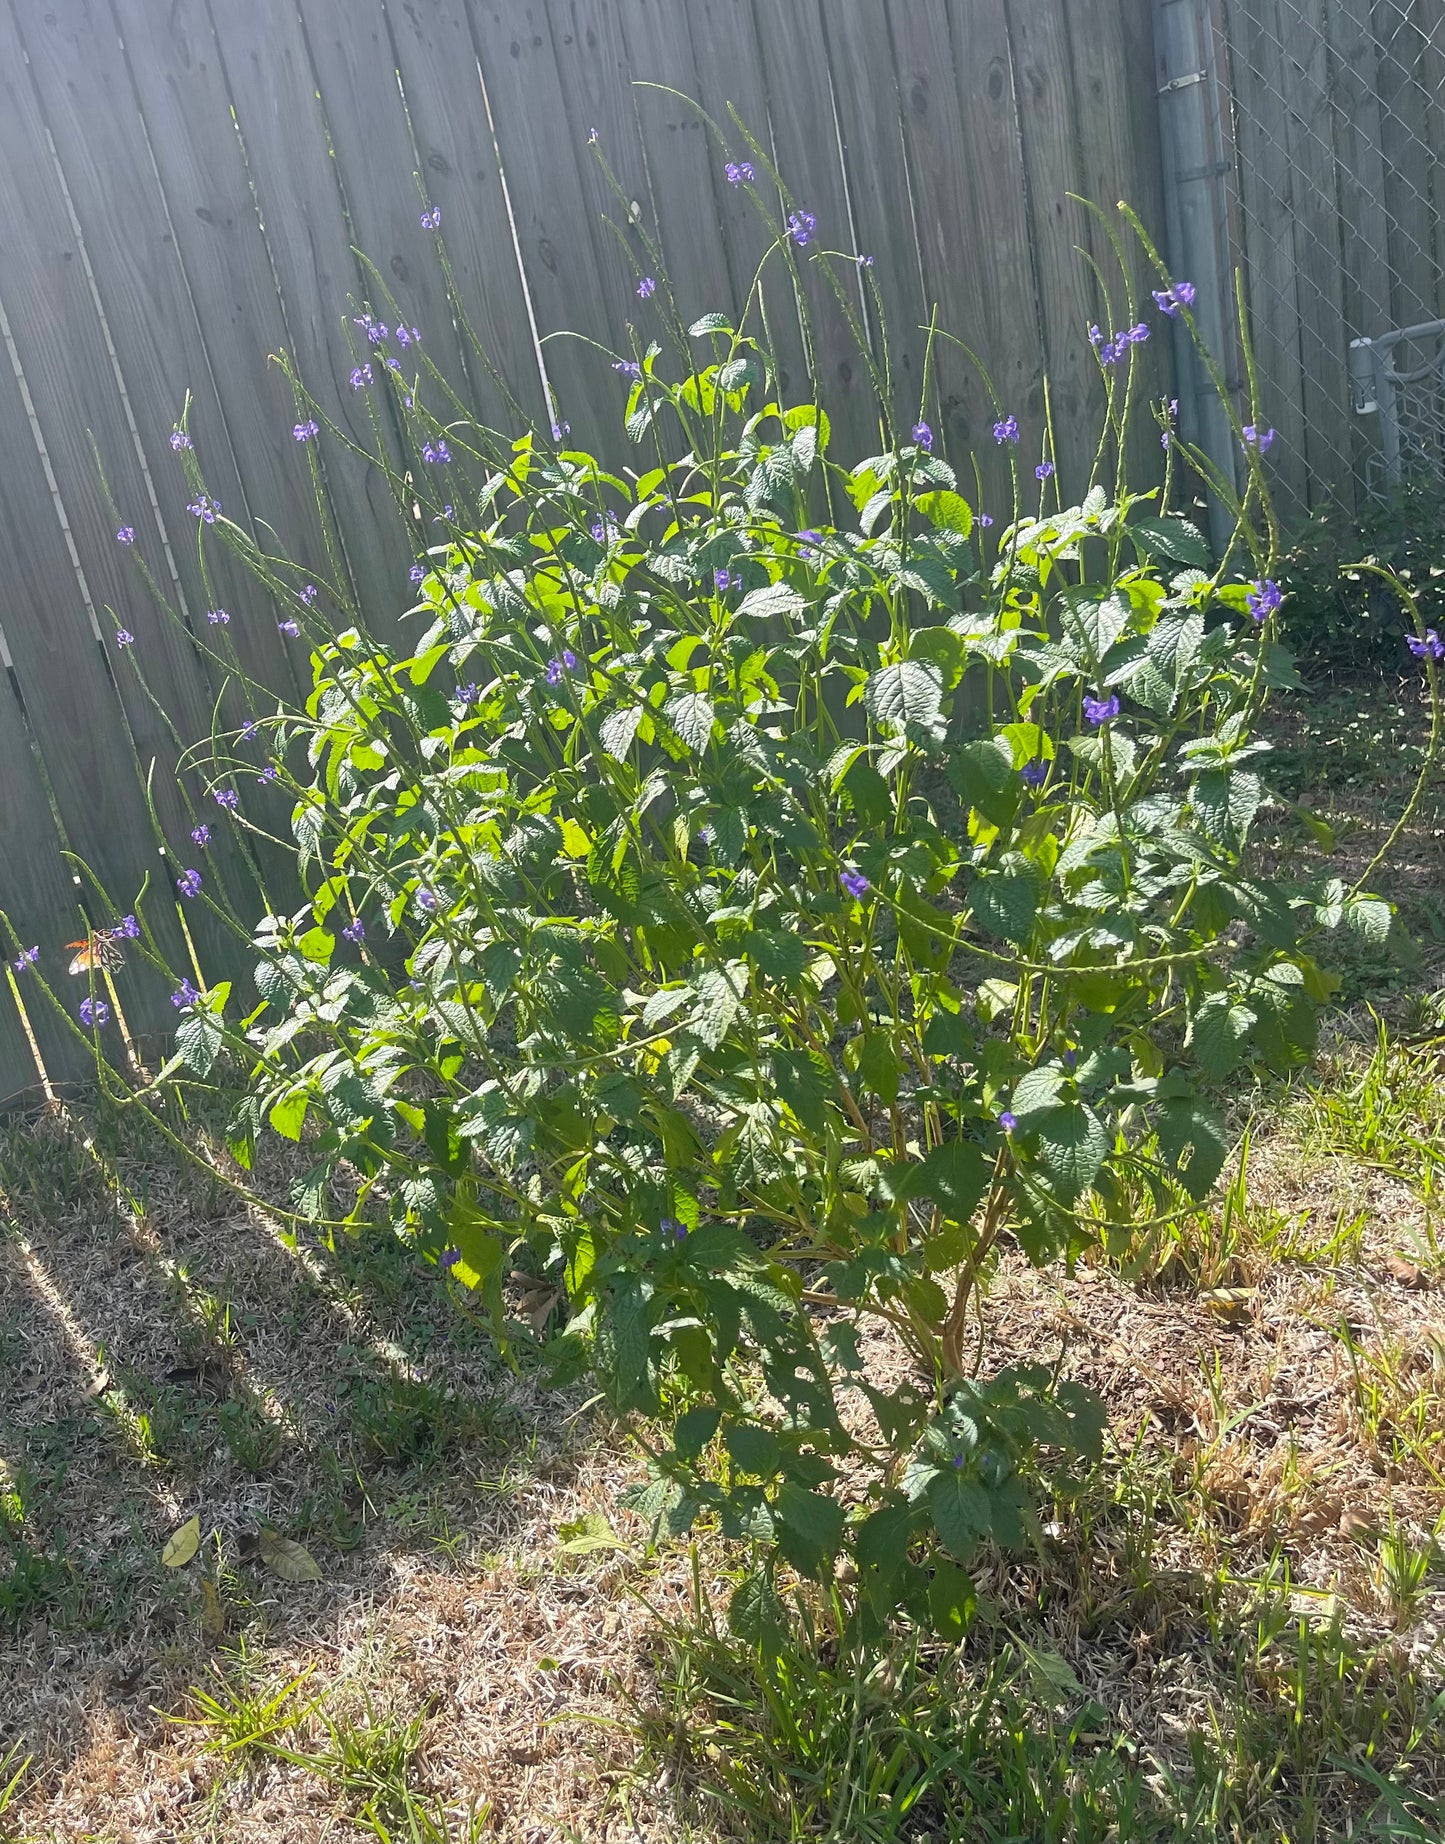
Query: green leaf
point(817, 1519)
point(1369, 917)
point(753, 1449)
point(288, 1113)
point(201, 1035)
point(952, 1600)
point(949, 511)
point(1219, 1029)
point(718, 1003)
point(694, 1430)
point(629, 1324)
point(804, 1080)
point(755, 1615)
point(982, 774)
point(943, 649)
point(692, 716)
point(960, 1511)
point(878, 1065)
point(955, 1176)
point(772, 601)
point(1175, 539)
point(1005, 902)
point(1225, 802)
point(1194, 1141)
point(908, 693)
point(1072, 1145)
point(619, 729)
point(709, 323)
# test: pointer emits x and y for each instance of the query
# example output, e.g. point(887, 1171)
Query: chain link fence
point(1327, 123)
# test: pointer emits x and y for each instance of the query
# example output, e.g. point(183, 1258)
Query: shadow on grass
point(166, 1352)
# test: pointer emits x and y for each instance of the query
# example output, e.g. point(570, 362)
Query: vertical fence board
point(272, 89)
point(1256, 65)
point(1068, 295)
point(806, 149)
point(443, 87)
point(684, 169)
point(961, 132)
point(150, 330)
point(865, 86)
point(730, 77)
point(1405, 140)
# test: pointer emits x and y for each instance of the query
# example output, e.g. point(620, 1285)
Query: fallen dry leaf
point(1231, 1304)
point(182, 1544)
point(213, 1614)
point(1405, 1272)
point(286, 1558)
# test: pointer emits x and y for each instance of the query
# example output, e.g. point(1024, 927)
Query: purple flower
point(554, 672)
point(1100, 710)
point(628, 367)
point(1008, 1121)
point(1137, 334)
point(801, 226)
point(1264, 598)
point(604, 530)
point(855, 883)
point(1173, 409)
point(201, 835)
point(449, 1258)
point(722, 580)
point(126, 535)
point(569, 658)
point(289, 628)
point(361, 377)
point(1166, 438)
point(559, 430)
point(408, 336)
point(184, 995)
point(218, 617)
point(28, 958)
point(249, 729)
point(1034, 774)
point(304, 432)
point(124, 637)
point(958, 1463)
point(226, 797)
point(736, 171)
point(268, 774)
point(374, 329)
point(355, 930)
point(467, 694)
point(180, 440)
point(416, 573)
point(93, 1013)
point(985, 519)
point(1043, 470)
point(1006, 431)
point(646, 288)
point(128, 929)
point(189, 883)
point(865, 262)
point(1431, 647)
point(432, 220)
point(435, 451)
point(592, 137)
point(1257, 438)
point(923, 435)
point(1170, 300)
point(427, 900)
point(309, 594)
point(204, 507)
point(671, 1230)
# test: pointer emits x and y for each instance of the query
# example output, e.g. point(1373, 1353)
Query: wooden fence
point(184, 188)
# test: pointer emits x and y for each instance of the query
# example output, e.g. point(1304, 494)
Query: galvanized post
point(1194, 148)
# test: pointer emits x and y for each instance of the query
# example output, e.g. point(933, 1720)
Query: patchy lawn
point(1235, 1631)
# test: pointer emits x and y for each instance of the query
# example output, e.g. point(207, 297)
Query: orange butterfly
point(97, 950)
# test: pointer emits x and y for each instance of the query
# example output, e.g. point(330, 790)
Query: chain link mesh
point(1337, 110)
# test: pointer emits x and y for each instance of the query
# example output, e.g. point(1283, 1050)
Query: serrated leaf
point(960, 1510)
point(1072, 1145)
point(709, 323)
point(181, 1545)
point(755, 1614)
point(1220, 1026)
point(692, 716)
point(286, 1558)
point(587, 1536)
point(955, 1176)
point(1225, 802)
point(717, 1006)
point(1369, 917)
point(755, 1450)
point(949, 511)
point(804, 1081)
point(199, 1039)
point(982, 774)
point(1194, 1141)
point(618, 730)
point(772, 601)
point(1006, 902)
point(1175, 539)
point(288, 1114)
point(910, 692)
point(817, 1519)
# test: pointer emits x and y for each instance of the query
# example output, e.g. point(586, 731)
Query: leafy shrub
point(756, 892)
point(1344, 621)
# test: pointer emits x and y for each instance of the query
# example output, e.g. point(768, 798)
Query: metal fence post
point(1194, 150)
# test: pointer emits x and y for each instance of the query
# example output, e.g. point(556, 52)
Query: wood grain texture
point(865, 89)
point(542, 149)
point(1405, 139)
point(443, 87)
point(272, 87)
